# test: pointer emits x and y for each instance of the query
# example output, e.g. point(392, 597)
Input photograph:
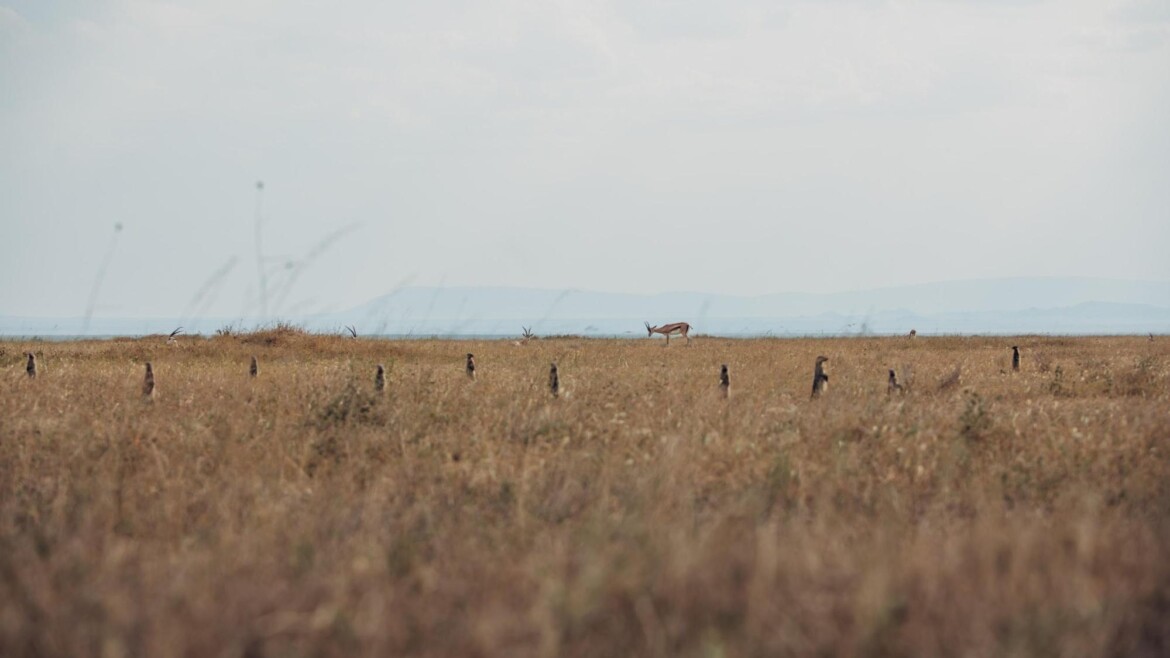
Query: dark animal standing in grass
point(380, 379)
point(554, 381)
point(148, 383)
point(893, 386)
point(820, 377)
point(31, 368)
point(1015, 358)
point(724, 382)
point(254, 369)
point(471, 366)
point(913, 333)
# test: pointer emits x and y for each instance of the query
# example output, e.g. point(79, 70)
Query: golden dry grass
point(300, 514)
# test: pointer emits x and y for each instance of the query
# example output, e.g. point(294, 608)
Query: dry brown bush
point(299, 514)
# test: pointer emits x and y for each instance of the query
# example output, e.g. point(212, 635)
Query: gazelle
point(680, 328)
point(527, 336)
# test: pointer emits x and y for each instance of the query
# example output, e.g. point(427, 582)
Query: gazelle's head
point(649, 329)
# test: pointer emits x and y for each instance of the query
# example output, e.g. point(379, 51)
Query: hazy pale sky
point(629, 146)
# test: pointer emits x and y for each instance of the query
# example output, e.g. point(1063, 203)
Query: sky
point(626, 146)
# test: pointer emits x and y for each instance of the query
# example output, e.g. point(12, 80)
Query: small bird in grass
point(893, 386)
point(31, 368)
point(471, 366)
point(148, 383)
point(724, 382)
point(380, 379)
point(820, 378)
point(554, 381)
point(254, 369)
point(1015, 357)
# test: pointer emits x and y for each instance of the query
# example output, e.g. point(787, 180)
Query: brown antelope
point(526, 336)
point(820, 377)
point(680, 328)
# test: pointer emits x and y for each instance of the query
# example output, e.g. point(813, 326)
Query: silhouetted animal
point(893, 386)
point(31, 368)
point(724, 382)
point(554, 381)
point(254, 369)
point(1015, 358)
point(820, 377)
point(471, 366)
point(380, 379)
point(148, 383)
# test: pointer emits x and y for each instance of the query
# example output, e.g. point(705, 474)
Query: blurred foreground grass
point(983, 512)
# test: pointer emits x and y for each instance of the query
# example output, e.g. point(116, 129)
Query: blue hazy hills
point(989, 306)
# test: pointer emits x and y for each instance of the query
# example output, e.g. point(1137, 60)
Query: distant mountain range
point(998, 306)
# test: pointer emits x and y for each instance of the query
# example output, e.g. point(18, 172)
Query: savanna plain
point(978, 512)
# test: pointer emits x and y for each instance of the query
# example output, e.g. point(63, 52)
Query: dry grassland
point(300, 514)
